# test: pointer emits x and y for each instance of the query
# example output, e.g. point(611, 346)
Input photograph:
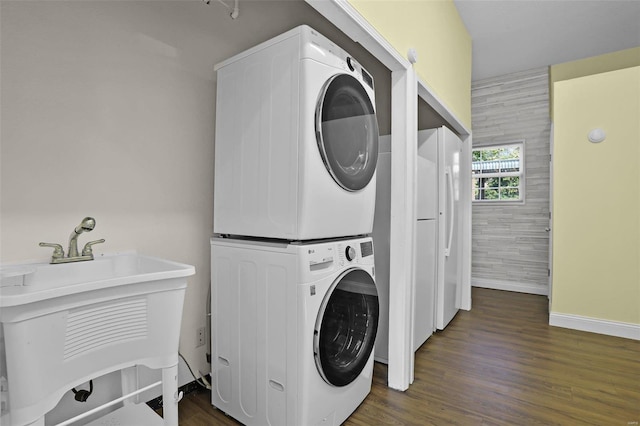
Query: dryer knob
point(350, 253)
point(350, 63)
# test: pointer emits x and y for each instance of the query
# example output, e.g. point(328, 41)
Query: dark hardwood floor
point(498, 364)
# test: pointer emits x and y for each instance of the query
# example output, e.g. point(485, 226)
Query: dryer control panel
point(319, 48)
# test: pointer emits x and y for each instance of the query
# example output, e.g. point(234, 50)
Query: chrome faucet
point(87, 225)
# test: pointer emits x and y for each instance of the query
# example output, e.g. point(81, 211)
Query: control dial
point(350, 253)
point(350, 64)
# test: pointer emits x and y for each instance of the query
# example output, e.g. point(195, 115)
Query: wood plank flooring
point(498, 364)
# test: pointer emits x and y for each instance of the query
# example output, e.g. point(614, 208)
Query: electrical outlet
point(201, 339)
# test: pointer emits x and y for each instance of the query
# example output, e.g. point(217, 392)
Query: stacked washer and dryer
point(294, 305)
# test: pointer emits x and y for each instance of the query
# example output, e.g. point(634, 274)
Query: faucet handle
point(58, 252)
point(87, 250)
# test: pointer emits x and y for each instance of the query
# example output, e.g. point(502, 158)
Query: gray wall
point(510, 247)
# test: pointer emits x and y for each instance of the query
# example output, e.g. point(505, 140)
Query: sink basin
point(30, 282)
point(65, 324)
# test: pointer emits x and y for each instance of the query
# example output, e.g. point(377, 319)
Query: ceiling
point(516, 35)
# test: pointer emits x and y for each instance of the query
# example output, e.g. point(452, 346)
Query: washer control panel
point(327, 256)
point(320, 257)
point(355, 252)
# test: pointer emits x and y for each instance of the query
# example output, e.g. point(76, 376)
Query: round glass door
point(347, 132)
point(346, 328)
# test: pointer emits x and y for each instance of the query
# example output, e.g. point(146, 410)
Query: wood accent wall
point(510, 246)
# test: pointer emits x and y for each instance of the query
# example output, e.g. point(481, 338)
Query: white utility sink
point(30, 282)
point(65, 324)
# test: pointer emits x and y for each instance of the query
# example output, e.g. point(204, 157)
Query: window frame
point(521, 173)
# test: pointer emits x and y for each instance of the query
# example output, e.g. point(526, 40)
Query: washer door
point(346, 327)
point(347, 132)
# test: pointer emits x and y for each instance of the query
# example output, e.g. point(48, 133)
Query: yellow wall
point(434, 29)
point(597, 64)
point(596, 250)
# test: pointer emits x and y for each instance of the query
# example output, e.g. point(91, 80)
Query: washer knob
point(350, 253)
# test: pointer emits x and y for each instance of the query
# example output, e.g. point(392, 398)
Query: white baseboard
point(510, 286)
point(595, 325)
point(381, 360)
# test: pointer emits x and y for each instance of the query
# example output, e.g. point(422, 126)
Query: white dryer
point(293, 328)
point(296, 141)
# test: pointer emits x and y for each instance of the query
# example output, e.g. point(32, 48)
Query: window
point(498, 173)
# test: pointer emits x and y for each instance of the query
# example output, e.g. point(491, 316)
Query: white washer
point(296, 141)
point(293, 328)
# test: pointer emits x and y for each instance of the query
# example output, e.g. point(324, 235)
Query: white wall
point(108, 110)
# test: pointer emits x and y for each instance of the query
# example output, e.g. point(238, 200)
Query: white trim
point(438, 106)
point(404, 150)
point(465, 217)
point(348, 20)
point(510, 286)
point(595, 325)
point(550, 227)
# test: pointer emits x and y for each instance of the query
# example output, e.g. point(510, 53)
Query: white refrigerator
point(426, 245)
point(438, 244)
point(381, 236)
point(444, 148)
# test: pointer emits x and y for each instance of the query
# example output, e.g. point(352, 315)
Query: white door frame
point(405, 89)
point(402, 241)
point(550, 227)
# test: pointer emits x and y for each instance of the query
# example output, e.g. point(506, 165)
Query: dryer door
point(346, 327)
point(347, 132)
